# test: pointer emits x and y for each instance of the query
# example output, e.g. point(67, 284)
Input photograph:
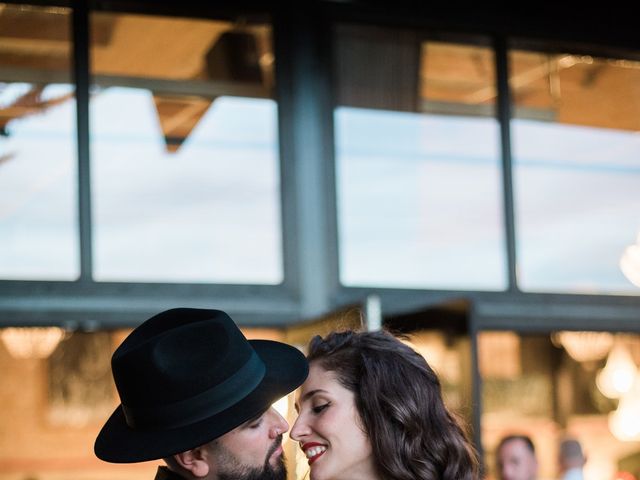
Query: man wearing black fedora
point(196, 393)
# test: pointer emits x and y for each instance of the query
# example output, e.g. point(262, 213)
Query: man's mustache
point(276, 444)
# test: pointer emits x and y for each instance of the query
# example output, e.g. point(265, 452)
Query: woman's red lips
point(314, 458)
point(306, 446)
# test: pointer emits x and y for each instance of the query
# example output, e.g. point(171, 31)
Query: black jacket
point(165, 474)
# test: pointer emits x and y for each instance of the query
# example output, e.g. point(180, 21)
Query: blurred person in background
point(571, 460)
point(516, 458)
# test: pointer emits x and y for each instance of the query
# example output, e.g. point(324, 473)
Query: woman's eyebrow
point(311, 393)
point(307, 396)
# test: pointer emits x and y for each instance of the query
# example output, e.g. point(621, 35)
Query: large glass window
point(184, 151)
point(418, 162)
point(576, 170)
point(38, 173)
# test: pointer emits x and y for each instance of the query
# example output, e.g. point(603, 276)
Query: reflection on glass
point(184, 152)
point(532, 384)
point(418, 179)
point(576, 170)
point(38, 222)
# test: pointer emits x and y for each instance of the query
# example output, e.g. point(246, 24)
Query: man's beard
point(229, 468)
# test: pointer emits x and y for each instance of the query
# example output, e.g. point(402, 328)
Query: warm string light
point(31, 342)
point(585, 346)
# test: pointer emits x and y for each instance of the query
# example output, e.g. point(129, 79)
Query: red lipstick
point(307, 446)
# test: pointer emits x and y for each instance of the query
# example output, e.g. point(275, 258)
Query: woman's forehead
point(319, 379)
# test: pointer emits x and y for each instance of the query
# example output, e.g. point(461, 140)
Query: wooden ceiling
point(169, 56)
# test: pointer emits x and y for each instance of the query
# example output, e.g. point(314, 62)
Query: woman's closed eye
point(319, 408)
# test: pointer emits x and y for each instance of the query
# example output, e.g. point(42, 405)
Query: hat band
point(201, 406)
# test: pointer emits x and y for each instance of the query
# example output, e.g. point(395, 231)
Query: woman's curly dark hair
point(398, 397)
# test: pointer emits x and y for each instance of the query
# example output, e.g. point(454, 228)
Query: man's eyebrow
point(307, 396)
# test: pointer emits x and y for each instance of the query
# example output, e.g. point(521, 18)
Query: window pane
point(418, 167)
point(576, 170)
point(38, 172)
point(184, 151)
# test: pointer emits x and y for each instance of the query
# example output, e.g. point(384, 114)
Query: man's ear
point(194, 461)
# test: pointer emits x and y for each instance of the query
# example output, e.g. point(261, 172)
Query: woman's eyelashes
point(319, 408)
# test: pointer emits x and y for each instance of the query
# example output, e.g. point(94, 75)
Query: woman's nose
point(299, 429)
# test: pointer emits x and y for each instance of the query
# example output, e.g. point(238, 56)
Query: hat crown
point(168, 359)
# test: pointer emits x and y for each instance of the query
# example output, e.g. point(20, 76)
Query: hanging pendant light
point(584, 346)
point(619, 373)
point(624, 422)
point(31, 342)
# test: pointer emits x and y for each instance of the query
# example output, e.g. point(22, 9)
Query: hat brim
point(286, 369)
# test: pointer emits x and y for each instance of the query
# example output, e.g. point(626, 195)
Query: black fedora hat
point(188, 376)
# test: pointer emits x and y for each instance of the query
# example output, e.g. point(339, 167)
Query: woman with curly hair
point(372, 409)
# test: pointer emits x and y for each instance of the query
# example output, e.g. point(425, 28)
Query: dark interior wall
point(601, 26)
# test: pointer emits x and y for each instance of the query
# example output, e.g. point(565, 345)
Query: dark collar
point(165, 474)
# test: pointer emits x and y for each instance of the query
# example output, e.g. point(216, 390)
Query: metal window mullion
point(81, 67)
point(504, 119)
point(476, 382)
point(307, 164)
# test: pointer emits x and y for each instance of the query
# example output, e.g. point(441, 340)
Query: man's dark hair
point(525, 438)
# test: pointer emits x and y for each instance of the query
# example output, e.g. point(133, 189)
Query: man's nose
point(279, 425)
